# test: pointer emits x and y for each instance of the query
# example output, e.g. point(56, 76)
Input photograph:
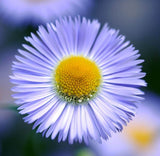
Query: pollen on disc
point(77, 78)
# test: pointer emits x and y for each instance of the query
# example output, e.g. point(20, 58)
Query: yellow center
point(141, 135)
point(77, 78)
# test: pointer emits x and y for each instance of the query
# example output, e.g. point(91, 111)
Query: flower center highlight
point(77, 79)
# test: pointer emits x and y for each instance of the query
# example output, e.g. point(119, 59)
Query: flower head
point(77, 81)
point(41, 11)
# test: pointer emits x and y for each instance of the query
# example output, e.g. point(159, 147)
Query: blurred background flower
point(41, 11)
point(139, 21)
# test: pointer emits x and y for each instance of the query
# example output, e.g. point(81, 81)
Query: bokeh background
point(139, 21)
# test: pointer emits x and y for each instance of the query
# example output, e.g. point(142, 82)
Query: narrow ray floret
point(77, 81)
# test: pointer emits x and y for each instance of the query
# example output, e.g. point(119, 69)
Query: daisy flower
point(41, 11)
point(77, 81)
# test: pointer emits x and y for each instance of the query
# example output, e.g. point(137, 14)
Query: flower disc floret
point(77, 78)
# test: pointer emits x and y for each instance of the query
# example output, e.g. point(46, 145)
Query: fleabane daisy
point(77, 81)
point(41, 11)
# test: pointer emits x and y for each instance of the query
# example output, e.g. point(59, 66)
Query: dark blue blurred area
point(138, 20)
